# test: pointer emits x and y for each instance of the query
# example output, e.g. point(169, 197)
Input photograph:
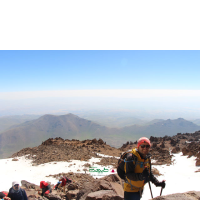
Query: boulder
point(185, 151)
point(162, 145)
point(103, 195)
point(155, 171)
point(32, 193)
point(72, 186)
point(53, 197)
point(174, 150)
point(100, 141)
point(198, 162)
point(73, 193)
point(117, 188)
point(198, 155)
point(15, 159)
point(29, 185)
point(104, 185)
point(190, 154)
point(154, 145)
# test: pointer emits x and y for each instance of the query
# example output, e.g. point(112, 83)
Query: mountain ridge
point(70, 126)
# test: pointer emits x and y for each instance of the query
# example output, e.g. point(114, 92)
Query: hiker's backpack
point(67, 180)
point(131, 158)
point(122, 161)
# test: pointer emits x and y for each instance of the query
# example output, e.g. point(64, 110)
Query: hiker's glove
point(145, 174)
point(160, 184)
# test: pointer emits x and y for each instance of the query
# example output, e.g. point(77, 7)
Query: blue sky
point(147, 82)
point(86, 70)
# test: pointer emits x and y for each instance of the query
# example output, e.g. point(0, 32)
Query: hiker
point(3, 195)
point(138, 171)
point(46, 189)
point(17, 193)
point(65, 181)
point(56, 186)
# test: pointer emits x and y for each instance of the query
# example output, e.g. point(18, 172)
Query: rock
point(181, 196)
point(173, 142)
point(155, 171)
point(103, 194)
point(72, 186)
point(15, 159)
point(53, 197)
point(198, 155)
point(29, 185)
point(94, 141)
point(117, 188)
point(153, 139)
point(162, 145)
point(174, 150)
point(100, 141)
point(185, 151)
point(154, 145)
point(104, 185)
point(32, 193)
point(112, 178)
point(73, 193)
point(198, 162)
point(190, 154)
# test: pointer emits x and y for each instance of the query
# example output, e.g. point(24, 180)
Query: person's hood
point(43, 184)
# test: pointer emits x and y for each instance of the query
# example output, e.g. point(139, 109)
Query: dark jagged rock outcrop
point(187, 143)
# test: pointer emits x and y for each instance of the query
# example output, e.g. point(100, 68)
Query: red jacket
point(64, 181)
point(43, 184)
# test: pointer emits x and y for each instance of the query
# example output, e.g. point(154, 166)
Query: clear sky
point(78, 70)
point(148, 81)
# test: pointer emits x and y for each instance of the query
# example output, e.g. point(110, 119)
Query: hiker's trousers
point(131, 195)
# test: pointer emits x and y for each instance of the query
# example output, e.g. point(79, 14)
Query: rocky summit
point(59, 149)
point(84, 186)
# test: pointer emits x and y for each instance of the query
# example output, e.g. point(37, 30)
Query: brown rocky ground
point(59, 149)
point(82, 187)
point(187, 143)
point(85, 186)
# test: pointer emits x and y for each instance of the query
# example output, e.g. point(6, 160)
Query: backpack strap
point(140, 188)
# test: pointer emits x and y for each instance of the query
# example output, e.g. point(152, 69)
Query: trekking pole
point(161, 191)
point(149, 186)
point(150, 189)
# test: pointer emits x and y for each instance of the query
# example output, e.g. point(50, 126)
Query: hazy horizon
point(142, 84)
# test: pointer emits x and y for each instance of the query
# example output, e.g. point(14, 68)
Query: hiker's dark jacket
point(46, 189)
point(19, 195)
point(133, 172)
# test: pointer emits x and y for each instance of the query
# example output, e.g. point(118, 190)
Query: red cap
point(142, 140)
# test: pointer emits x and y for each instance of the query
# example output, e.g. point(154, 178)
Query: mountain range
point(31, 133)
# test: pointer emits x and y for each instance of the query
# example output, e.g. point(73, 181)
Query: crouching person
point(17, 193)
point(3, 196)
point(64, 181)
point(46, 188)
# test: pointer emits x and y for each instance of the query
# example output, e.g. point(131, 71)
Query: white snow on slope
point(180, 177)
point(23, 170)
